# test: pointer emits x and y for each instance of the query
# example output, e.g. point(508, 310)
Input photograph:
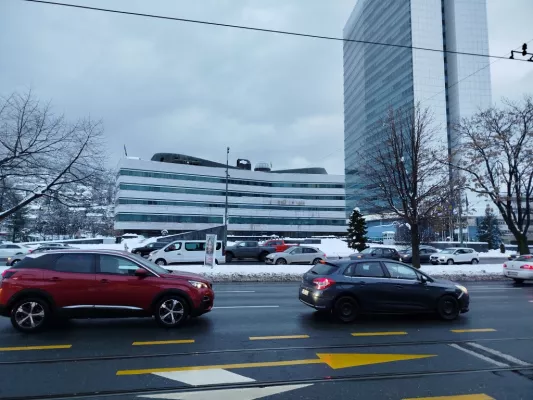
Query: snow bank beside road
point(290, 273)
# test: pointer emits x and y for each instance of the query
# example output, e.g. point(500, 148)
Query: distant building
point(180, 193)
point(377, 78)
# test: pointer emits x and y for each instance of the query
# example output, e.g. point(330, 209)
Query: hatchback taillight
point(504, 265)
point(323, 283)
point(526, 266)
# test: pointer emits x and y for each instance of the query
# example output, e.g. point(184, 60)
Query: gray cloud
point(168, 86)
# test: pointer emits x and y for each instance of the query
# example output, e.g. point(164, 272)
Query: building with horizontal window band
point(179, 193)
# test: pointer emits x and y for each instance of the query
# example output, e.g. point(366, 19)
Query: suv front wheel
point(30, 315)
point(171, 311)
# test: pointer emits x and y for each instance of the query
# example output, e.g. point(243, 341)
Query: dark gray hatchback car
point(348, 288)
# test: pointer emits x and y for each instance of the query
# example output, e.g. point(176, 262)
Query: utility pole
point(226, 206)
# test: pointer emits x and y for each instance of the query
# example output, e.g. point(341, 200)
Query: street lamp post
point(226, 205)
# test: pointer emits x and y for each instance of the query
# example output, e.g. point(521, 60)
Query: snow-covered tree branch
point(45, 150)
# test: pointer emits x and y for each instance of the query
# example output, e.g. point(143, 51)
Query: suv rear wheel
point(30, 315)
point(171, 311)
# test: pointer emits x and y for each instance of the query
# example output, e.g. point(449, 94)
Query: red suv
point(279, 245)
point(99, 284)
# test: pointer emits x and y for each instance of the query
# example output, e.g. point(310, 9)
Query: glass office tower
point(378, 78)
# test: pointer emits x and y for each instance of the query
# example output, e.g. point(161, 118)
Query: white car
point(520, 269)
point(186, 251)
point(8, 250)
point(297, 255)
point(455, 255)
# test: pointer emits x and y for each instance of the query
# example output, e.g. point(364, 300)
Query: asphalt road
point(261, 342)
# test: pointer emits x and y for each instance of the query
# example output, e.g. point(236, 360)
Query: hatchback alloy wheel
point(448, 308)
point(171, 311)
point(281, 261)
point(346, 309)
point(30, 315)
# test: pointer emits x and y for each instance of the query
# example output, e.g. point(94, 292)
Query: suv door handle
point(54, 279)
point(104, 281)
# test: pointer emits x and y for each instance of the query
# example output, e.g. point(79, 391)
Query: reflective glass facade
point(377, 78)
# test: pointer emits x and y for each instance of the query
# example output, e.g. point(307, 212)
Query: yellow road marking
point(162, 342)
point(480, 396)
point(473, 330)
point(335, 361)
point(378, 333)
point(24, 348)
point(279, 337)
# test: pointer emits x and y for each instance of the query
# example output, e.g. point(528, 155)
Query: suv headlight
point(462, 289)
point(198, 285)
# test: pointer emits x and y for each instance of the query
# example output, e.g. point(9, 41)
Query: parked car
point(377, 252)
point(520, 269)
point(186, 251)
point(455, 255)
point(297, 255)
point(10, 261)
point(248, 249)
point(349, 288)
point(148, 248)
point(406, 255)
point(97, 284)
point(8, 250)
point(279, 244)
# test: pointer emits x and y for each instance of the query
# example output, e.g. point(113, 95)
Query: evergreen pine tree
point(357, 231)
point(488, 229)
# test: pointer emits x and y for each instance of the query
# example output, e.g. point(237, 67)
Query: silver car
point(296, 255)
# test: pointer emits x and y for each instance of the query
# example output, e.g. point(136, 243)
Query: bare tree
point(495, 154)
point(43, 152)
point(401, 175)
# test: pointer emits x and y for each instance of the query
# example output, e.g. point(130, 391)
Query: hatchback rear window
point(323, 269)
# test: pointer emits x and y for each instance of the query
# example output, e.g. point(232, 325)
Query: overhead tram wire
point(429, 98)
point(264, 30)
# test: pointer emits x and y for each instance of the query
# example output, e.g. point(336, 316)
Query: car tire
point(450, 262)
point(171, 311)
point(518, 281)
point(40, 313)
point(448, 308)
point(160, 261)
point(229, 257)
point(262, 256)
point(346, 309)
point(316, 261)
point(14, 262)
point(433, 263)
point(281, 261)
point(474, 261)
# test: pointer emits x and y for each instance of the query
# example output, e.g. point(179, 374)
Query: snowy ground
point(288, 273)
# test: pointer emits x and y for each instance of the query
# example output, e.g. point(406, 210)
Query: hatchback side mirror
point(423, 279)
point(141, 273)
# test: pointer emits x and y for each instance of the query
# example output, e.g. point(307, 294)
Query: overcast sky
point(163, 86)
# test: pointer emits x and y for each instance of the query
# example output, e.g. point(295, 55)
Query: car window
point(219, 245)
point(323, 269)
point(525, 257)
point(309, 250)
point(377, 252)
point(387, 252)
point(241, 244)
point(296, 250)
point(368, 269)
point(116, 265)
point(13, 246)
point(195, 246)
point(399, 271)
point(43, 262)
point(79, 263)
point(174, 247)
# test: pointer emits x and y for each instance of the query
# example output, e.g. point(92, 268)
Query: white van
point(186, 251)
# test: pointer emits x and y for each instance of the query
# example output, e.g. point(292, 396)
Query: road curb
point(239, 278)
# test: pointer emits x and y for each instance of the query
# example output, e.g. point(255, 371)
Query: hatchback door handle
point(399, 286)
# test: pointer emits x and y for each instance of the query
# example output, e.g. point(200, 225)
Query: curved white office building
point(179, 193)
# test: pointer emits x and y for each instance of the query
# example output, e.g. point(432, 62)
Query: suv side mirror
point(141, 273)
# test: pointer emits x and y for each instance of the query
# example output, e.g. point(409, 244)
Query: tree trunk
point(523, 247)
point(415, 245)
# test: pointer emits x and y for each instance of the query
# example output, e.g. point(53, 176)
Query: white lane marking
point(500, 354)
point(480, 356)
point(227, 394)
point(245, 307)
point(490, 289)
point(234, 291)
point(205, 377)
